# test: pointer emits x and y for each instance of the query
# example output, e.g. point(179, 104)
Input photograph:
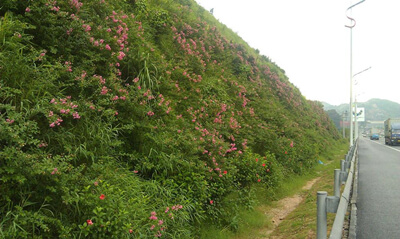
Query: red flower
point(225, 172)
point(263, 165)
point(256, 160)
point(89, 222)
point(258, 180)
point(102, 196)
point(211, 202)
point(130, 231)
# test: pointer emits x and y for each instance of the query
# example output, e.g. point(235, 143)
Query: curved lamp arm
point(353, 22)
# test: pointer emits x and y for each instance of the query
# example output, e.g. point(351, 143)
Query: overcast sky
point(309, 40)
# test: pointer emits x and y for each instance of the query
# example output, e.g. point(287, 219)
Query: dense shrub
point(139, 119)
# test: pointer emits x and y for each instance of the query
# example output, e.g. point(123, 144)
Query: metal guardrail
point(336, 203)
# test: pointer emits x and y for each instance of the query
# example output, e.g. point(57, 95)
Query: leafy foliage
point(138, 119)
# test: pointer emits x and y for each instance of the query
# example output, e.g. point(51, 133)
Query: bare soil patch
point(285, 206)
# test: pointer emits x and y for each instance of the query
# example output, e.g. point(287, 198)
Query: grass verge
point(301, 222)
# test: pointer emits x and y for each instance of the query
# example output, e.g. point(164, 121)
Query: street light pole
point(353, 23)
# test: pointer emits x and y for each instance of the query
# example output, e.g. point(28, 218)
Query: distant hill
point(375, 109)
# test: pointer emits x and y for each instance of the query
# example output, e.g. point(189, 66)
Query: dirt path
point(285, 206)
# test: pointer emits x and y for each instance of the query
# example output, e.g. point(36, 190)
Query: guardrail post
point(336, 189)
point(343, 171)
point(321, 215)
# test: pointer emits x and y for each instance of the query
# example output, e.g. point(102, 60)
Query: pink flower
point(130, 231)
point(69, 31)
point(160, 222)
point(153, 216)
point(89, 222)
point(121, 55)
point(291, 144)
point(152, 227)
point(104, 90)
point(55, 170)
point(58, 121)
point(102, 196)
point(27, 9)
point(115, 98)
point(211, 202)
point(135, 171)
point(76, 115)
point(86, 27)
point(52, 125)
point(108, 47)
point(150, 113)
point(41, 145)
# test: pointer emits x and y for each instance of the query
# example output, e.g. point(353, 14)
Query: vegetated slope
point(139, 119)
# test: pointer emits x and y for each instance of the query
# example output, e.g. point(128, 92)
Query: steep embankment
point(138, 119)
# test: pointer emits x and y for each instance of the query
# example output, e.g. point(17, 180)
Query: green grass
point(300, 223)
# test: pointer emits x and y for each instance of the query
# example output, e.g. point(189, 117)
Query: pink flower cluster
point(10, 121)
point(160, 222)
point(65, 108)
point(153, 216)
point(55, 170)
point(76, 4)
point(57, 122)
point(42, 145)
point(69, 66)
point(86, 27)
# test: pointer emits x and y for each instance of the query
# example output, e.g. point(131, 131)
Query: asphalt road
point(378, 200)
